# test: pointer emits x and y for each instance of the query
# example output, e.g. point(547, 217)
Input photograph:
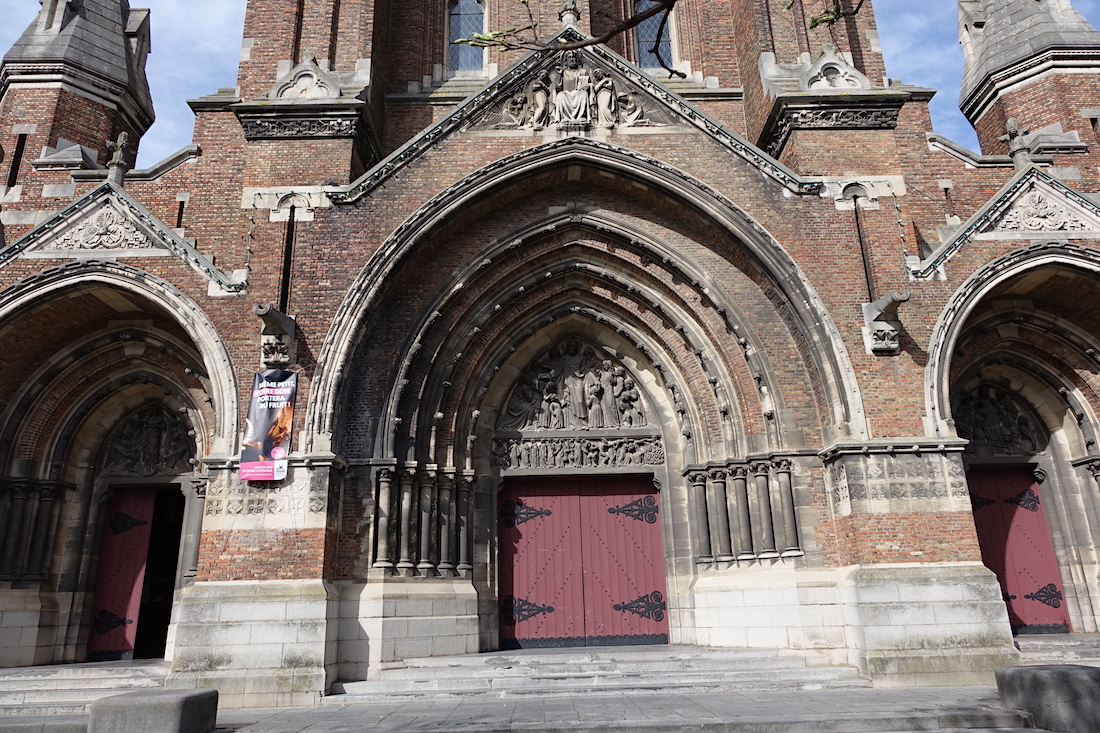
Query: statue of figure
point(609, 385)
point(573, 369)
point(540, 103)
point(628, 401)
point(605, 98)
point(515, 111)
point(594, 403)
point(572, 101)
point(633, 113)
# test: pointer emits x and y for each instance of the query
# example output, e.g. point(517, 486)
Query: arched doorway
point(580, 556)
point(140, 536)
point(1013, 368)
point(110, 395)
point(1004, 478)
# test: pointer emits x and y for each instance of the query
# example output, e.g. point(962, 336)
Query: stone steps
point(1060, 649)
point(593, 671)
point(68, 689)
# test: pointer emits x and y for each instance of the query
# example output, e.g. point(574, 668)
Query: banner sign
point(266, 442)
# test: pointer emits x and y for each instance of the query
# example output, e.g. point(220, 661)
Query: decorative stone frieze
point(298, 127)
point(876, 478)
point(578, 452)
point(829, 117)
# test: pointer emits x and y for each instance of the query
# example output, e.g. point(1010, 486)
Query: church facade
point(424, 349)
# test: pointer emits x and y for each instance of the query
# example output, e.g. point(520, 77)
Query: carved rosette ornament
point(1035, 212)
point(108, 228)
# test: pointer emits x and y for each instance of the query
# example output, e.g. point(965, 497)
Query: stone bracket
point(279, 337)
point(883, 326)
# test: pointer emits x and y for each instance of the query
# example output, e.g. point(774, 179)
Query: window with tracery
point(651, 53)
point(466, 18)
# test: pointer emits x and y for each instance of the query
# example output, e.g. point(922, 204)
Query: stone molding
point(826, 114)
point(1033, 205)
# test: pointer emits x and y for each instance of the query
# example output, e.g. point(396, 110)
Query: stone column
point(763, 531)
point(701, 529)
point(13, 539)
point(465, 486)
point(718, 511)
point(42, 537)
point(738, 497)
point(406, 486)
point(791, 545)
point(427, 501)
point(446, 539)
point(382, 558)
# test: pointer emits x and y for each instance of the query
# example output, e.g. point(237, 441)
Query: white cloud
point(196, 46)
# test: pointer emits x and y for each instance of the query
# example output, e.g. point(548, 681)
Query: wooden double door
point(581, 562)
point(135, 585)
point(1015, 541)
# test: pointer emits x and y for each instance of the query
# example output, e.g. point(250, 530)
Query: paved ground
point(826, 710)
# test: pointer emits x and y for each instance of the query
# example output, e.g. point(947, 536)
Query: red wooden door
point(1015, 541)
point(581, 563)
point(122, 556)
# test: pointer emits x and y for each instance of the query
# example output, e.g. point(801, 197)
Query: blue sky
point(196, 42)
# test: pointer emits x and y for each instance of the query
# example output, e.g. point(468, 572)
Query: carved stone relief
point(899, 476)
point(574, 94)
point(997, 422)
point(107, 228)
point(571, 388)
point(830, 117)
point(152, 442)
point(578, 453)
point(1036, 212)
point(275, 128)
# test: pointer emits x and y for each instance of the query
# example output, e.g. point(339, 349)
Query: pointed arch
point(813, 324)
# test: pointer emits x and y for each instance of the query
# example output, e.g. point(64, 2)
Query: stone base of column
point(928, 624)
point(388, 620)
point(259, 643)
point(919, 624)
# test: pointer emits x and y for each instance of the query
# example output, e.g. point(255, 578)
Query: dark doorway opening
point(136, 582)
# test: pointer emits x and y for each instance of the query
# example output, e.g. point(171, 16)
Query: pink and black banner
point(267, 429)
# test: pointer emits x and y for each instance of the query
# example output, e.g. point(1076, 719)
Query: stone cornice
point(975, 103)
point(863, 110)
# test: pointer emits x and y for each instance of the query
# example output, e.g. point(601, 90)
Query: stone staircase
point(66, 689)
point(1059, 649)
point(594, 671)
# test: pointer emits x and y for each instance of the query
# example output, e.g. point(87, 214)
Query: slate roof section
point(92, 37)
point(1005, 32)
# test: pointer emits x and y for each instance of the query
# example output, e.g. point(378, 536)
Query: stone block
point(1060, 697)
point(164, 711)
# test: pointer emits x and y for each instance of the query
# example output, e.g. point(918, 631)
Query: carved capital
point(718, 474)
point(739, 471)
point(697, 478)
point(385, 474)
point(782, 464)
point(761, 468)
point(447, 482)
point(199, 486)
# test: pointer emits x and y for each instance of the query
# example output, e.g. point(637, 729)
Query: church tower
point(75, 79)
point(1033, 61)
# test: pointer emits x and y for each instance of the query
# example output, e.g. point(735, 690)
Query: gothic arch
point(823, 346)
point(219, 379)
point(1015, 332)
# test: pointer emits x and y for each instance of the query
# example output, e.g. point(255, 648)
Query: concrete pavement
point(847, 711)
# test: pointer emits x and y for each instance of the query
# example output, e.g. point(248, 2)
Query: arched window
point(646, 33)
point(467, 17)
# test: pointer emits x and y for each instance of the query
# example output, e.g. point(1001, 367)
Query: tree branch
point(512, 38)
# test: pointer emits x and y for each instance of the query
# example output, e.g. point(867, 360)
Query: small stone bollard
point(1060, 697)
point(163, 711)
